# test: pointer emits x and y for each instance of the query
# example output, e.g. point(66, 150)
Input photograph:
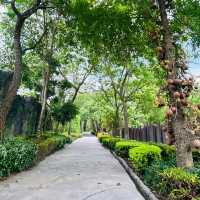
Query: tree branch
point(14, 8)
point(36, 43)
point(32, 10)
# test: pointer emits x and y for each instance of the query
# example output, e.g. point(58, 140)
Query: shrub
point(110, 142)
point(20, 153)
point(152, 173)
point(195, 170)
point(101, 134)
point(196, 155)
point(122, 147)
point(48, 146)
point(167, 151)
point(180, 194)
point(16, 155)
point(101, 137)
point(143, 156)
point(178, 184)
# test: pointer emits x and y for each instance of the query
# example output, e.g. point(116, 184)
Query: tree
point(16, 79)
point(76, 67)
point(46, 53)
point(175, 66)
point(64, 112)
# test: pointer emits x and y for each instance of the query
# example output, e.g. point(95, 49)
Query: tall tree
point(16, 79)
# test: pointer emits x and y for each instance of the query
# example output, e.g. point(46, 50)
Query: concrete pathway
point(83, 170)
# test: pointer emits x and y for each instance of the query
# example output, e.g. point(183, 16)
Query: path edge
point(144, 190)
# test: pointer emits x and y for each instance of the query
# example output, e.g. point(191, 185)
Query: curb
point(144, 190)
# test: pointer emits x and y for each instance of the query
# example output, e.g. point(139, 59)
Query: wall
point(24, 115)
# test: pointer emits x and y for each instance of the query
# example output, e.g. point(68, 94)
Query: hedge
point(122, 148)
point(167, 151)
point(51, 145)
point(110, 142)
point(20, 153)
point(102, 136)
point(143, 156)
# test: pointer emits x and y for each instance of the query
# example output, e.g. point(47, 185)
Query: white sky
point(1, 9)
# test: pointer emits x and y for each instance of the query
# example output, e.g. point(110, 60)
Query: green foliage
point(143, 156)
point(103, 137)
point(178, 184)
point(122, 148)
point(20, 153)
point(156, 164)
point(50, 145)
point(196, 155)
point(110, 142)
point(106, 30)
point(167, 151)
point(65, 84)
point(16, 155)
point(65, 112)
point(152, 176)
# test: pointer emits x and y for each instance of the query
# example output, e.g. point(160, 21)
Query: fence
point(147, 133)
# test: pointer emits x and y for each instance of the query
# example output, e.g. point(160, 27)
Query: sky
point(195, 68)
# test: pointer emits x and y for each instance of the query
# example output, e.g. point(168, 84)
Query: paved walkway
point(83, 170)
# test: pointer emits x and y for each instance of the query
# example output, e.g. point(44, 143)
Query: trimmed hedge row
point(20, 153)
point(143, 156)
point(122, 148)
point(50, 145)
point(155, 163)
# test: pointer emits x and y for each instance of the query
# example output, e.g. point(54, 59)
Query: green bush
point(143, 156)
point(167, 151)
point(102, 137)
point(110, 142)
point(196, 155)
point(20, 153)
point(122, 147)
point(16, 155)
point(48, 146)
point(152, 176)
point(178, 184)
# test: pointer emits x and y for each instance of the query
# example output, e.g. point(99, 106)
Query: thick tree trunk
point(182, 137)
point(126, 128)
point(44, 98)
point(16, 80)
point(183, 145)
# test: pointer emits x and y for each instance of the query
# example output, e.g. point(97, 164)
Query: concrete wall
point(24, 115)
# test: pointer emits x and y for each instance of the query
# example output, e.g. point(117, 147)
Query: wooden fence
point(147, 133)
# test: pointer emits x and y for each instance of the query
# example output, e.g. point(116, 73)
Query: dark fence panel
point(153, 133)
